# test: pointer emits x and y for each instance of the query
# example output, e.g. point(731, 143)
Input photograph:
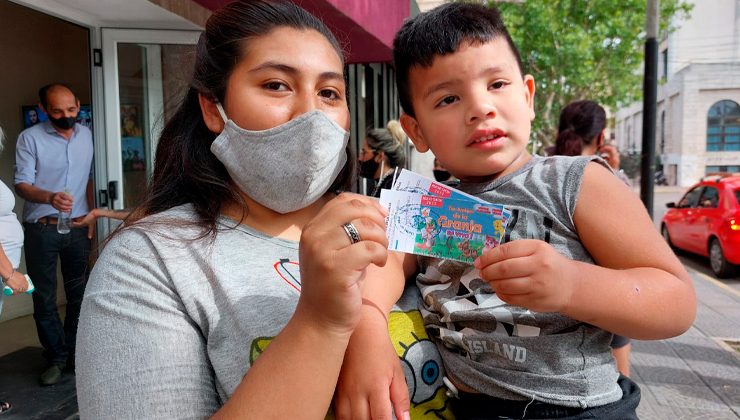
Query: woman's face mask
point(284, 168)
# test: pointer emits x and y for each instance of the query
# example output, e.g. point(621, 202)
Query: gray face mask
point(284, 168)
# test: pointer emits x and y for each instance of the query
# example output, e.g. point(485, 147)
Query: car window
point(737, 196)
point(691, 198)
point(709, 198)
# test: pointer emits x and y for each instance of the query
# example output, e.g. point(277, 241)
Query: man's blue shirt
point(46, 160)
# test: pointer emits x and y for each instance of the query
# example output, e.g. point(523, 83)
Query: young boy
point(525, 332)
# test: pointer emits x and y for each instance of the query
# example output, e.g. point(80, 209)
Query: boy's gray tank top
point(509, 351)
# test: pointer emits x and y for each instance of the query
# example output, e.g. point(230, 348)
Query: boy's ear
point(412, 129)
point(529, 93)
point(210, 113)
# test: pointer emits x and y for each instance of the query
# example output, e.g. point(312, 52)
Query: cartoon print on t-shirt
point(420, 359)
point(422, 366)
point(288, 271)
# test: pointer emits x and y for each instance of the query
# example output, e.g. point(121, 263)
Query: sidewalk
point(696, 375)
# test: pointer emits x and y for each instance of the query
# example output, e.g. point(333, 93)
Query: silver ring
point(351, 230)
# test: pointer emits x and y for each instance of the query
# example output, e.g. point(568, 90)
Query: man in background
point(53, 175)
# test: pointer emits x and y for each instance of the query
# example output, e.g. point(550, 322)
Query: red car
point(707, 222)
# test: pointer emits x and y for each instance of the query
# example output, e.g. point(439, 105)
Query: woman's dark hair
point(581, 122)
point(391, 141)
point(185, 170)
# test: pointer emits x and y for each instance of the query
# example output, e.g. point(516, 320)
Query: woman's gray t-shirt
point(171, 324)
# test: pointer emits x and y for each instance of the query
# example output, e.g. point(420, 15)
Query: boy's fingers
point(511, 286)
point(512, 268)
point(507, 251)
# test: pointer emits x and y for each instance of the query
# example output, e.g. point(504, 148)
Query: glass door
point(146, 75)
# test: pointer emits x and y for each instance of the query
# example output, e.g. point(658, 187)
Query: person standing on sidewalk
point(11, 241)
point(581, 133)
point(53, 175)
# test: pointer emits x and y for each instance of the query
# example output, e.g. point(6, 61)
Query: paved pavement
point(695, 375)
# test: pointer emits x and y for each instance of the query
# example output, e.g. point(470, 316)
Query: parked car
point(706, 221)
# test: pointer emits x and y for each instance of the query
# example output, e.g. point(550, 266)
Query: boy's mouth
point(485, 137)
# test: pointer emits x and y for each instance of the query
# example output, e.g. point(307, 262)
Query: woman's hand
point(17, 282)
point(529, 273)
point(332, 267)
point(89, 220)
point(610, 154)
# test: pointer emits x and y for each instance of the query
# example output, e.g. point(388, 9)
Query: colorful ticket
point(443, 227)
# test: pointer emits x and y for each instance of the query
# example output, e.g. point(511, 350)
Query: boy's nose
point(481, 110)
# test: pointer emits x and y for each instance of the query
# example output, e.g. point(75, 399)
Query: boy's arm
point(640, 289)
point(372, 380)
point(637, 288)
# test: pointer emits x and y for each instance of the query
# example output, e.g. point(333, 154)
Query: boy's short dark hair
point(440, 31)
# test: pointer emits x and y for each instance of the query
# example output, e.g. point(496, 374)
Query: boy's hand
point(372, 379)
point(529, 273)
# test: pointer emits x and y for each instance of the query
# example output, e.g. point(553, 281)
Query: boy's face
point(473, 110)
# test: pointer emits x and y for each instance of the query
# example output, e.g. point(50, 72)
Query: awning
point(365, 27)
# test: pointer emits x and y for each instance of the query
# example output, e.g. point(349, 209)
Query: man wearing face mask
point(53, 174)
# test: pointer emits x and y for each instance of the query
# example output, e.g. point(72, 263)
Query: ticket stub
point(414, 183)
point(442, 227)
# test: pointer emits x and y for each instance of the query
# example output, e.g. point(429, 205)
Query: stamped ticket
point(443, 227)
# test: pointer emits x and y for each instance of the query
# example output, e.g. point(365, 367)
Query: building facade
point(698, 115)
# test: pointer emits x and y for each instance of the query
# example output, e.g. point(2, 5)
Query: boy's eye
point(278, 86)
point(498, 84)
point(447, 100)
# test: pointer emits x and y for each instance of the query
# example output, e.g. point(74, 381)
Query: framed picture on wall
point(132, 153)
point(32, 115)
point(130, 121)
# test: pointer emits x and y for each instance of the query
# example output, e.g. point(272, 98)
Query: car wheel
point(666, 236)
point(720, 266)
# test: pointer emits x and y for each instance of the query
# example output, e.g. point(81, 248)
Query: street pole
point(649, 107)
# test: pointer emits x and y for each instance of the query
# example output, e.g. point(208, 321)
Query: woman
point(11, 242)
point(204, 275)
point(382, 152)
point(581, 133)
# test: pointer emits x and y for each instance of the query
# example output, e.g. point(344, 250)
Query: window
point(664, 64)
point(662, 132)
point(723, 127)
point(709, 198)
point(726, 168)
point(691, 198)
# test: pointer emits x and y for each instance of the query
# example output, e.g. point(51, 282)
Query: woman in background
point(11, 242)
point(382, 152)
